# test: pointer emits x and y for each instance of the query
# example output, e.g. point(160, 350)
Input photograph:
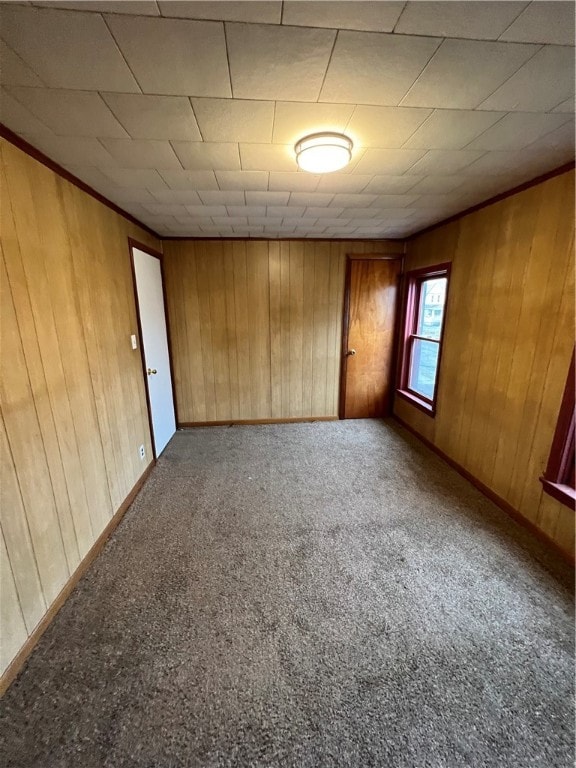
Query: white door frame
point(157, 255)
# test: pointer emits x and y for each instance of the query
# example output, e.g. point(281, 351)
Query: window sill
point(563, 493)
point(417, 402)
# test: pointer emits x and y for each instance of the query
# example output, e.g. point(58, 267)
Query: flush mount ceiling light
point(323, 152)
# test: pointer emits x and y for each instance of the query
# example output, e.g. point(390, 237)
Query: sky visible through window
point(424, 362)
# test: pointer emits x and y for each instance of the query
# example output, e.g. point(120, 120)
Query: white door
point(155, 345)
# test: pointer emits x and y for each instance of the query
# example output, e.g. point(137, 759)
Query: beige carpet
point(304, 595)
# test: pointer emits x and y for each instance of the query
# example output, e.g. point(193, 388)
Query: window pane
point(423, 367)
point(431, 309)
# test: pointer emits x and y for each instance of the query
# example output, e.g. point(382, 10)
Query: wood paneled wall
point(508, 343)
point(256, 326)
point(73, 405)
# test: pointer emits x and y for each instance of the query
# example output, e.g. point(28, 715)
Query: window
point(426, 291)
point(558, 480)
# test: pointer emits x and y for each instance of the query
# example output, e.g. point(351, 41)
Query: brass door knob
point(350, 352)
point(152, 371)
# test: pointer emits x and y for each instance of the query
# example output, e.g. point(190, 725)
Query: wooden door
point(368, 338)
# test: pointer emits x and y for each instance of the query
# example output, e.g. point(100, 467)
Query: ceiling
point(185, 113)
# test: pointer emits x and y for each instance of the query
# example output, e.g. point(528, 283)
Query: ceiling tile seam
point(524, 8)
point(327, 66)
point(526, 146)
point(120, 51)
point(107, 106)
point(422, 124)
point(513, 74)
point(399, 17)
point(195, 117)
point(12, 95)
point(282, 13)
point(177, 155)
point(273, 121)
point(225, 31)
point(25, 63)
point(433, 54)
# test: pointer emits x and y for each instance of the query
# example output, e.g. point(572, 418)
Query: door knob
point(350, 352)
point(152, 371)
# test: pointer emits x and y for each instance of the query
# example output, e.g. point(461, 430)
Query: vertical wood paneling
point(268, 317)
point(73, 406)
point(508, 344)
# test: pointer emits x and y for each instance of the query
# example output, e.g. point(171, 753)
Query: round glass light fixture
point(323, 152)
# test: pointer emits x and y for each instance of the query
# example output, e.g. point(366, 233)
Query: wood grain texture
point(508, 344)
point(256, 326)
point(371, 331)
point(73, 407)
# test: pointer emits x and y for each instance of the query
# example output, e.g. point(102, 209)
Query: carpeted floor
point(305, 595)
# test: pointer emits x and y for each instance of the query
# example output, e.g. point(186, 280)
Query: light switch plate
point(134, 341)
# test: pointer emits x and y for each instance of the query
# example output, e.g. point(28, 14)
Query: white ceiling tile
point(561, 138)
point(338, 182)
point(463, 73)
point(274, 62)
point(529, 162)
point(517, 130)
point(284, 210)
point(206, 211)
point(391, 184)
point(127, 194)
point(71, 150)
point(359, 213)
point(315, 199)
point(13, 71)
point(138, 7)
point(88, 58)
point(71, 113)
point(541, 84)
point(264, 221)
point(181, 196)
point(353, 200)
point(169, 209)
point(180, 179)
point(359, 14)
point(255, 11)
point(267, 198)
point(196, 221)
point(370, 68)
point(381, 214)
point(439, 162)
point(324, 212)
point(95, 178)
point(394, 201)
point(565, 106)
point(451, 129)
point(293, 120)
point(142, 153)
point(327, 222)
point(135, 177)
point(439, 201)
point(267, 157)
point(293, 182)
point(388, 161)
point(207, 156)
point(154, 117)
point(543, 22)
point(222, 198)
point(246, 210)
point(174, 57)
point(253, 180)
point(477, 20)
point(19, 119)
point(230, 221)
point(234, 119)
point(385, 127)
point(437, 184)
